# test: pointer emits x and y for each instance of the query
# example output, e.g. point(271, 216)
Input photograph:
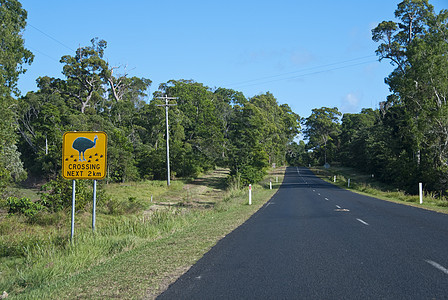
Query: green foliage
point(414, 140)
point(13, 55)
point(23, 206)
point(56, 195)
point(322, 131)
point(356, 130)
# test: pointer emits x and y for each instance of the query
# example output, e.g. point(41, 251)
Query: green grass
point(366, 184)
point(133, 255)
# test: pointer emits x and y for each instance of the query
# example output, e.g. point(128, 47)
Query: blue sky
point(308, 54)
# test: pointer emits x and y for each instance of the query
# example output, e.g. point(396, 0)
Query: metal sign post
point(73, 210)
point(94, 206)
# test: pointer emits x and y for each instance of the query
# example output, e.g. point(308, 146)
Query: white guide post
point(420, 192)
point(250, 194)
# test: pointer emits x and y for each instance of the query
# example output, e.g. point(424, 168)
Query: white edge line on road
point(436, 265)
point(326, 199)
point(363, 222)
point(338, 206)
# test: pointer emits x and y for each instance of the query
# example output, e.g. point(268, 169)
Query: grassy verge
point(366, 184)
point(131, 256)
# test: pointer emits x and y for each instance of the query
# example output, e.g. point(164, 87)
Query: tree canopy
point(13, 57)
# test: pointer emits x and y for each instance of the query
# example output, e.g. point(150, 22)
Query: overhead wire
point(260, 80)
point(236, 85)
point(44, 54)
point(49, 36)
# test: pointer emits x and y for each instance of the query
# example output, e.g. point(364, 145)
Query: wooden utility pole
point(167, 134)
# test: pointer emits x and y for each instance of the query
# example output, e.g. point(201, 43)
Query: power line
point(242, 83)
point(44, 54)
point(302, 75)
point(49, 36)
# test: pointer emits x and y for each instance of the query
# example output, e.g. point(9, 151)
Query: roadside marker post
point(250, 194)
point(348, 185)
point(334, 178)
point(420, 192)
point(270, 184)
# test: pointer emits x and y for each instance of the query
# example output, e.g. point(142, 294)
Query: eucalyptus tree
point(225, 101)
point(248, 157)
point(280, 126)
point(417, 46)
point(85, 74)
point(354, 134)
point(321, 129)
point(260, 134)
point(13, 57)
point(196, 137)
point(42, 119)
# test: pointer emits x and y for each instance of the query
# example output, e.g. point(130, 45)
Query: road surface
point(313, 240)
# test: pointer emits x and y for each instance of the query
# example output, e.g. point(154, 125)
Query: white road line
point(338, 206)
point(318, 194)
point(436, 265)
point(363, 222)
point(326, 199)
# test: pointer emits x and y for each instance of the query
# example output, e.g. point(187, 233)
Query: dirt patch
point(202, 193)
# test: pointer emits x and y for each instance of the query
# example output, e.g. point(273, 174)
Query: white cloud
point(350, 103)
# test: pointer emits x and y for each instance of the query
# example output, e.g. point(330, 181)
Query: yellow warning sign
point(84, 155)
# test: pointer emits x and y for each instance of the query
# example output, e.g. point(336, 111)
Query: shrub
point(23, 206)
point(57, 194)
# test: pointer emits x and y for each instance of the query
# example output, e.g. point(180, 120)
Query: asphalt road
point(313, 240)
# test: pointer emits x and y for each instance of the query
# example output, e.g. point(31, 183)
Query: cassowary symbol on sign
point(81, 144)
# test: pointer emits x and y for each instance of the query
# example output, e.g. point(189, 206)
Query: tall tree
point(13, 54)
point(418, 46)
point(85, 73)
point(355, 131)
point(198, 116)
point(13, 57)
point(321, 129)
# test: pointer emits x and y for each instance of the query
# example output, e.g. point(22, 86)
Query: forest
point(405, 141)
point(402, 143)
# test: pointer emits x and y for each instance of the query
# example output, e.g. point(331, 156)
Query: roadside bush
point(23, 206)
point(57, 194)
point(251, 174)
